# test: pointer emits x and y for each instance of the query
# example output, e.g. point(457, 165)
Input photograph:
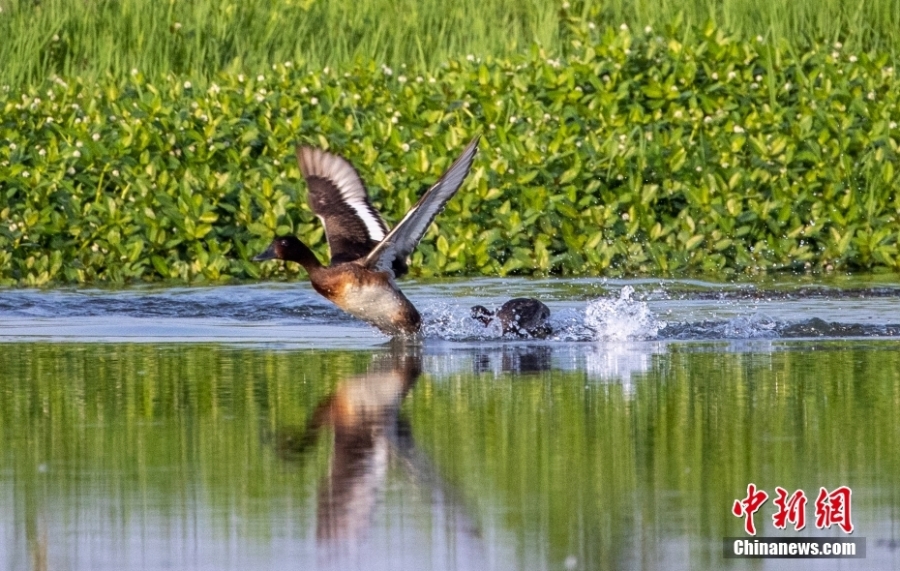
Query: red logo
point(834, 508)
point(748, 506)
point(831, 508)
point(791, 509)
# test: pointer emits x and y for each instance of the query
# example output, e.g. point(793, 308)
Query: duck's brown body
point(370, 296)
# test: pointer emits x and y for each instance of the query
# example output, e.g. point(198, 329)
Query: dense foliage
point(639, 153)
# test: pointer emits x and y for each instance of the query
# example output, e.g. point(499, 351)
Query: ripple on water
point(583, 310)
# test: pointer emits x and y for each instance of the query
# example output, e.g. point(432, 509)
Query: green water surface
point(193, 456)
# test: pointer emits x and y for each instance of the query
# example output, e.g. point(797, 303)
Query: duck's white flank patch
point(353, 193)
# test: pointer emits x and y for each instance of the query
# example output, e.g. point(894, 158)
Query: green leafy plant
point(641, 152)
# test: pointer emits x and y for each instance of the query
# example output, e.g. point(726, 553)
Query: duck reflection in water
point(521, 360)
point(370, 436)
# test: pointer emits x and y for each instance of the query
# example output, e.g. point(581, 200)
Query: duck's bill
point(269, 254)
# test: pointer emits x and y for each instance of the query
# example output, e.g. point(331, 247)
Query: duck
point(520, 316)
point(366, 258)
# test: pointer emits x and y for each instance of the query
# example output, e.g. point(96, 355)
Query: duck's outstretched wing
point(392, 251)
point(338, 197)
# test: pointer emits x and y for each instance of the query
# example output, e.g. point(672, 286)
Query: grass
point(99, 38)
point(639, 153)
point(144, 140)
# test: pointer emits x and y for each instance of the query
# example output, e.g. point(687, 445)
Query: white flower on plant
point(77, 154)
point(512, 119)
point(852, 59)
point(70, 171)
point(26, 174)
point(95, 136)
point(134, 71)
point(13, 146)
point(260, 77)
point(395, 120)
point(738, 129)
point(405, 147)
point(260, 98)
point(871, 96)
point(623, 27)
point(115, 172)
point(187, 84)
point(79, 144)
point(314, 101)
point(42, 152)
point(732, 75)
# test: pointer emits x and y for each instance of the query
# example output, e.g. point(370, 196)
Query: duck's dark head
point(482, 314)
point(288, 248)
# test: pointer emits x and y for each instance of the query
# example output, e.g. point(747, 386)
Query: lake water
point(258, 427)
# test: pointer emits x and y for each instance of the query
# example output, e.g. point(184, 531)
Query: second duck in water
point(520, 316)
point(365, 257)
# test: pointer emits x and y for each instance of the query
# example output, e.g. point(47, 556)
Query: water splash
point(455, 323)
point(608, 319)
point(622, 319)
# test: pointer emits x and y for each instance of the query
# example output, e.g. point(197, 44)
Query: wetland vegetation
point(679, 147)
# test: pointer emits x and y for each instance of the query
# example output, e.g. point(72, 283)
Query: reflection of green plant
point(636, 153)
point(561, 463)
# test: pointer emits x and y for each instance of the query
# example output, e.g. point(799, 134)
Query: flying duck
point(521, 316)
point(365, 256)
